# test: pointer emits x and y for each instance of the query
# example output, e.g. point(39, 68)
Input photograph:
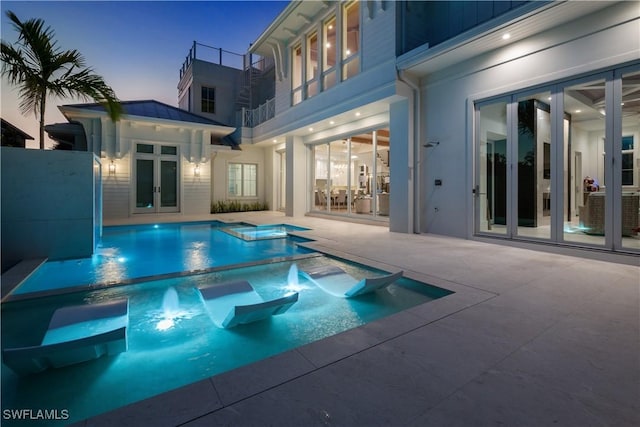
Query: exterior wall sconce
point(196, 170)
point(112, 168)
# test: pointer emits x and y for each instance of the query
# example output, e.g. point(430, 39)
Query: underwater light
point(156, 226)
point(121, 259)
point(165, 324)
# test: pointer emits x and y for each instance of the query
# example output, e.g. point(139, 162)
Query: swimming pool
point(161, 360)
point(126, 254)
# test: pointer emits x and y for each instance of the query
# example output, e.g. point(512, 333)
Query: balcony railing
point(264, 112)
point(227, 58)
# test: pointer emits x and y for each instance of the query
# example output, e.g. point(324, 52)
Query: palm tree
point(41, 69)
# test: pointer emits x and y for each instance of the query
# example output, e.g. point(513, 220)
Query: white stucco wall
point(594, 42)
point(47, 204)
point(221, 160)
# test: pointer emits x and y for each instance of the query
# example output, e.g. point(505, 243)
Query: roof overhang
point(521, 23)
point(291, 22)
point(72, 113)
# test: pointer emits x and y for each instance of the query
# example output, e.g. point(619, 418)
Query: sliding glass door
point(352, 175)
point(491, 182)
point(561, 163)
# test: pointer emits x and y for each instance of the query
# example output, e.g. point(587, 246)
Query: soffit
point(485, 38)
point(291, 23)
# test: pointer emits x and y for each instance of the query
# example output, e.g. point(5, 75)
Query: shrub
point(226, 206)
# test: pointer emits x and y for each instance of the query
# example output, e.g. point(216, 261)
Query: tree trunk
point(43, 101)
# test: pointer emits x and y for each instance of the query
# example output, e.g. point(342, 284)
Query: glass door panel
point(168, 184)
point(584, 139)
point(156, 179)
point(534, 156)
point(338, 175)
point(361, 157)
point(145, 188)
point(491, 179)
point(320, 177)
point(382, 172)
point(630, 164)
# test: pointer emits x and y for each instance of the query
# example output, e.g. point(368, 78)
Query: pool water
point(159, 360)
point(127, 253)
point(260, 232)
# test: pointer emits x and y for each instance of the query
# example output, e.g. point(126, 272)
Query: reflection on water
point(188, 347)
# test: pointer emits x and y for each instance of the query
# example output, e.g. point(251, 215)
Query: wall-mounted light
point(196, 170)
point(112, 168)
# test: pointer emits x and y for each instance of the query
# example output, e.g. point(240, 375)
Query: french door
point(156, 182)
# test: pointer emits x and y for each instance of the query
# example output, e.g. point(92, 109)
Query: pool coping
point(17, 274)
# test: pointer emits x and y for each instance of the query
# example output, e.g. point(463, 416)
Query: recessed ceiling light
point(506, 36)
point(275, 140)
point(549, 98)
point(310, 129)
point(332, 122)
point(358, 114)
point(578, 111)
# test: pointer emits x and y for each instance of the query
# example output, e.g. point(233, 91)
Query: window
point(296, 74)
point(329, 53)
point(243, 180)
point(627, 160)
point(351, 40)
point(208, 100)
point(312, 65)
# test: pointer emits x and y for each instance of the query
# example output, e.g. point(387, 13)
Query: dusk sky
point(138, 47)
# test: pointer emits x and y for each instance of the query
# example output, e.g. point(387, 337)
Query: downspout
point(415, 153)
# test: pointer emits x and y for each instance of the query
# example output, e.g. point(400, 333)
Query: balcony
point(251, 118)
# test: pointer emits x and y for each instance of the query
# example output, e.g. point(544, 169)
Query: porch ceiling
point(334, 126)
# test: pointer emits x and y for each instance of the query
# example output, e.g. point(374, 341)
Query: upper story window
point(351, 40)
point(208, 103)
point(312, 65)
point(329, 53)
point(296, 74)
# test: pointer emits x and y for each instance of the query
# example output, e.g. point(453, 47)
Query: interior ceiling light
point(358, 114)
point(578, 111)
point(332, 122)
point(310, 129)
point(506, 36)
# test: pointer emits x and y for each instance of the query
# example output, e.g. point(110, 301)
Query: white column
point(297, 179)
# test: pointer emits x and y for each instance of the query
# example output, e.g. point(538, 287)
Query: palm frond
point(40, 69)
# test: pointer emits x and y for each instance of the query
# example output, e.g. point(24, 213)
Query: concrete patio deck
point(528, 339)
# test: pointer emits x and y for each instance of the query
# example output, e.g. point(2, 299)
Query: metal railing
point(227, 58)
point(264, 112)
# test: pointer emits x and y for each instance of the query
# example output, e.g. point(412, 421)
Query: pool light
point(165, 324)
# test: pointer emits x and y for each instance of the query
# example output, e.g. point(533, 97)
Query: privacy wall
point(47, 204)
